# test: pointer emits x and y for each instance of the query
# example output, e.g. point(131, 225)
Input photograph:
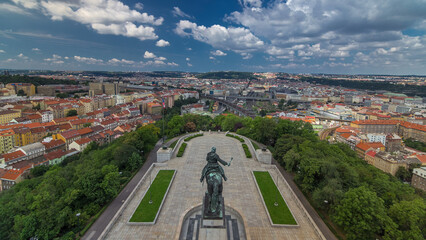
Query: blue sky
point(296, 36)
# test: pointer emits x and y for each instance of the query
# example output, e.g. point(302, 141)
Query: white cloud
point(189, 49)
point(179, 13)
point(22, 56)
point(162, 43)
point(139, 6)
point(218, 53)
point(56, 59)
point(122, 61)
point(88, 60)
point(27, 3)
point(35, 49)
point(187, 59)
point(232, 38)
point(12, 8)
point(212, 58)
point(128, 29)
point(161, 58)
point(103, 16)
point(189, 65)
point(246, 55)
point(66, 58)
point(149, 55)
point(2, 51)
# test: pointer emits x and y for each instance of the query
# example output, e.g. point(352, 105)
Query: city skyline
point(362, 37)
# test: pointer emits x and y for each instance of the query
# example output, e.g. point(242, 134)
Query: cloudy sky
point(297, 36)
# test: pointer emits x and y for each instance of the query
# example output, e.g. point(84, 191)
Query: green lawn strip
point(279, 214)
point(235, 136)
point(193, 136)
point(255, 145)
point(146, 212)
point(181, 149)
point(173, 144)
point(246, 150)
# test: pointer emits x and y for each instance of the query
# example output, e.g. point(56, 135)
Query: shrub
point(193, 136)
point(181, 150)
point(246, 150)
point(236, 137)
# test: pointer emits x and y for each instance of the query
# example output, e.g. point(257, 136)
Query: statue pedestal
point(264, 156)
point(164, 155)
point(209, 220)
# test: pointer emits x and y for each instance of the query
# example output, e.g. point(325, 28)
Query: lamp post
point(78, 220)
point(150, 190)
point(276, 194)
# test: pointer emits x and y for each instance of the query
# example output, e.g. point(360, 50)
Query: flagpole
point(164, 108)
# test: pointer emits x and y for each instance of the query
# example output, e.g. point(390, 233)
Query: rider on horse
point(212, 164)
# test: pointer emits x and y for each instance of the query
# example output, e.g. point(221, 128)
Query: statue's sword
point(229, 164)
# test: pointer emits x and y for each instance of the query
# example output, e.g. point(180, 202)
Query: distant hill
point(227, 75)
point(37, 81)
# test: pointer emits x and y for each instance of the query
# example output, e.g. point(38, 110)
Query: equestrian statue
point(213, 172)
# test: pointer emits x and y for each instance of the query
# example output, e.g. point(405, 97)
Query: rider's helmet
point(213, 149)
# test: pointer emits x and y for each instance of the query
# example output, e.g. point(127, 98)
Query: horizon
point(316, 37)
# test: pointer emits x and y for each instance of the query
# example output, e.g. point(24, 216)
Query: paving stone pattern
point(239, 192)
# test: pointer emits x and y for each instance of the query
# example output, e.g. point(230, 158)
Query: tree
point(21, 93)
point(410, 217)
point(262, 112)
point(403, 174)
point(361, 213)
point(134, 162)
point(62, 95)
point(37, 107)
point(175, 126)
point(71, 113)
point(281, 103)
point(190, 127)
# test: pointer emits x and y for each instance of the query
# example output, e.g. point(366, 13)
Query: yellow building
point(22, 136)
point(6, 140)
point(8, 115)
point(28, 88)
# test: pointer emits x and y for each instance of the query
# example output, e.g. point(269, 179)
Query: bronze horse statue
point(214, 173)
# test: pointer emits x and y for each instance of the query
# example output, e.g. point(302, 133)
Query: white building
point(377, 138)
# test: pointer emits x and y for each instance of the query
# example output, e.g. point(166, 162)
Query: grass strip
point(146, 212)
point(246, 150)
point(236, 137)
point(255, 145)
point(181, 150)
point(279, 214)
point(173, 144)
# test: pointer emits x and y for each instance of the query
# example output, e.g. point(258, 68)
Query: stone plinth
point(212, 233)
point(264, 156)
point(164, 155)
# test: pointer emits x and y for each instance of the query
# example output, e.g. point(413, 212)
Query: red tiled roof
point(84, 131)
point(422, 158)
point(13, 155)
point(53, 144)
point(83, 141)
point(12, 174)
point(371, 153)
point(70, 134)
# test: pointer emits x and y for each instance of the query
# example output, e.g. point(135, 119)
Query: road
point(101, 223)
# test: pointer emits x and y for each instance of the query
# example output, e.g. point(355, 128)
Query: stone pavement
point(239, 192)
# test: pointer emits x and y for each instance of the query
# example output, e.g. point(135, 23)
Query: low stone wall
point(127, 201)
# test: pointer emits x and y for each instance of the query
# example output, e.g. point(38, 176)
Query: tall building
point(103, 88)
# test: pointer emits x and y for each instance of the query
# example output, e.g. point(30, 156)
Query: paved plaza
point(239, 192)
